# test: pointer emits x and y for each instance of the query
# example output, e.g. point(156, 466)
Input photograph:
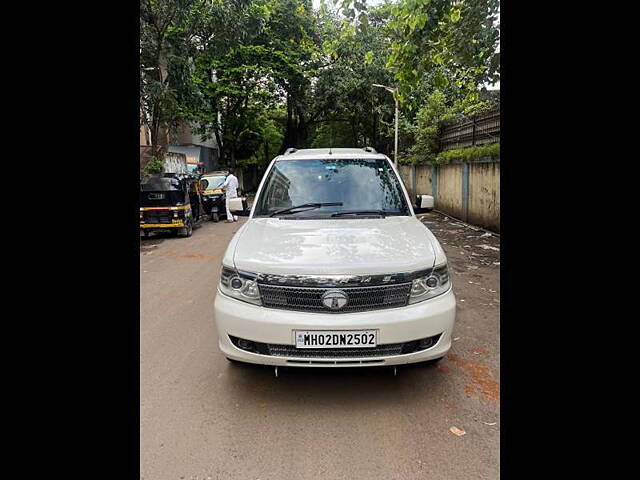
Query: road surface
point(204, 418)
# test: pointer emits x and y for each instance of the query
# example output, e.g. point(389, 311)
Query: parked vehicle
point(214, 197)
point(333, 269)
point(169, 202)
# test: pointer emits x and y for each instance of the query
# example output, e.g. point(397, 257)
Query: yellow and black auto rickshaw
point(169, 202)
point(213, 197)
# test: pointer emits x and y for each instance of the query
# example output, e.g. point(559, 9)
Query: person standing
point(230, 187)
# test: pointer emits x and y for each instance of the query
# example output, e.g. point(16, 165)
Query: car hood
point(334, 246)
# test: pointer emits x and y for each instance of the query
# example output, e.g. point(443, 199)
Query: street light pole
point(395, 150)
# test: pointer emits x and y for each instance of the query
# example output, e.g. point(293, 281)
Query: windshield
point(358, 184)
point(209, 183)
point(155, 184)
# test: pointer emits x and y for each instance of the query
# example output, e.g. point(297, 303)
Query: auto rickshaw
point(170, 202)
point(213, 197)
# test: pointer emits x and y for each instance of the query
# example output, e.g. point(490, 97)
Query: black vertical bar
point(473, 131)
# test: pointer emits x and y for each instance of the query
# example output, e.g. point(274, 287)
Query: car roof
point(328, 153)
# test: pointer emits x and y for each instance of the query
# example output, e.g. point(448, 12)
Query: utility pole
point(395, 97)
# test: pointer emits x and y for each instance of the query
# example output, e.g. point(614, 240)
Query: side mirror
point(424, 203)
point(204, 184)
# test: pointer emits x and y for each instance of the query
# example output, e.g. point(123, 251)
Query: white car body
point(344, 251)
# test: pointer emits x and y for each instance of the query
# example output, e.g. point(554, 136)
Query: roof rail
point(290, 150)
point(370, 149)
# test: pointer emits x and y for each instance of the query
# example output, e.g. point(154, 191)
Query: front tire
point(188, 230)
point(215, 217)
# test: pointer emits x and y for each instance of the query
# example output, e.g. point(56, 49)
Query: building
point(197, 150)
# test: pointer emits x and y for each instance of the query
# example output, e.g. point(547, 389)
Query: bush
point(155, 165)
point(429, 122)
point(469, 153)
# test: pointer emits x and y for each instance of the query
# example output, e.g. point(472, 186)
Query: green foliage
point(260, 147)
point(345, 108)
point(244, 81)
point(336, 134)
point(491, 150)
point(429, 120)
point(263, 75)
point(155, 165)
point(171, 32)
point(453, 41)
point(437, 109)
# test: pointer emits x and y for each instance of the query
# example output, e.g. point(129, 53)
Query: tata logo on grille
point(335, 299)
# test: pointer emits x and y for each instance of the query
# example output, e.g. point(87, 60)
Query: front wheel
point(188, 230)
point(145, 233)
point(215, 217)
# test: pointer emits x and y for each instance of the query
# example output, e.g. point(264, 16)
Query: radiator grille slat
point(292, 351)
point(310, 299)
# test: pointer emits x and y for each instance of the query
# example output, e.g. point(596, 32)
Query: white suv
point(333, 269)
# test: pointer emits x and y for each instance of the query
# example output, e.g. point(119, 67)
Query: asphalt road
point(204, 418)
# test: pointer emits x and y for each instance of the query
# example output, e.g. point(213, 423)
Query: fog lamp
point(426, 343)
point(432, 282)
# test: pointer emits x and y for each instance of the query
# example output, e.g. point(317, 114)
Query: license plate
point(336, 338)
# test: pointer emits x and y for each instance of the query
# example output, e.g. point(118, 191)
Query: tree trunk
point(289, 139)
point(159, 132)
point(354, 132)
point(301, 129)
point(216, 132)
point(233, 155)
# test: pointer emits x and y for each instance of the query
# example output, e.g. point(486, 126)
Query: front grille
point(291, 351)
point(360, 299)
point(158, 216)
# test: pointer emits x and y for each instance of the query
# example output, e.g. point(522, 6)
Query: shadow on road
point(156, 238)
point(339, 386)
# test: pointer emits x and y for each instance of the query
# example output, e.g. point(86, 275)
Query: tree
point(171, 34)
point(165, 26)
point(264, 75)
point(345, 108)
point(452, 40)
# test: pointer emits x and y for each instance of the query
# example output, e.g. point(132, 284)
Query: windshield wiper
point(359, 212)
point(308, 206)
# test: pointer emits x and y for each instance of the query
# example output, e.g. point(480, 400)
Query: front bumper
point(394, 325)
point(179, 224)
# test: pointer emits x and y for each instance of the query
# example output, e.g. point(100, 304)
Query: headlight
point(240, 285)
point(432, 285)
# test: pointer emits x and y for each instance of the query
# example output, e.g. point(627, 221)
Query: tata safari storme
point(333, 269)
